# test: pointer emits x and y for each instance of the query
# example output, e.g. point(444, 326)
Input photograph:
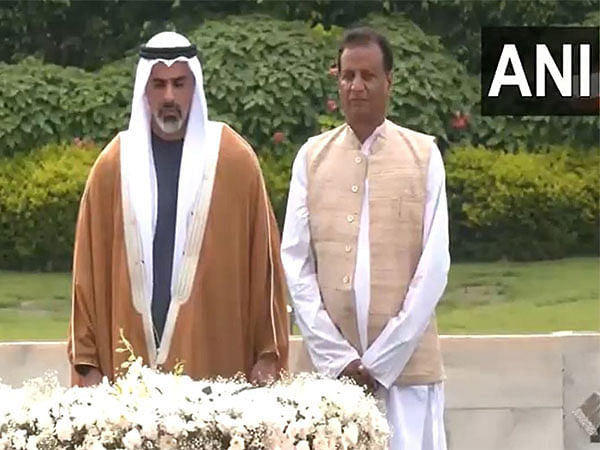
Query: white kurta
point(415, 413)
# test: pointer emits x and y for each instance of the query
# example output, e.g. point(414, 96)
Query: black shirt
point(167, 162)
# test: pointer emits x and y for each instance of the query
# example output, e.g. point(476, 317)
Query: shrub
point(277, 172)
point(43, 103)
point(39, 200)
point(522, 206)
point(40, 193)
point(462, 34)
point(88, 34)
point(263, 76)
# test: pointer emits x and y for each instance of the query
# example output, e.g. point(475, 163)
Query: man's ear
point(389, 77)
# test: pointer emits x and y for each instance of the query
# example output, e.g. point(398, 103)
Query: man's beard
point(171, 123)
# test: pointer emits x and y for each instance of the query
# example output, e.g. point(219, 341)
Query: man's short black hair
point(365, 36)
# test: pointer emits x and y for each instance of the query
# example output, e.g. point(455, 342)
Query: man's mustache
point(169, 109)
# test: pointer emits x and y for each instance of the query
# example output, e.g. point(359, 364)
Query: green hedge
point(39, 199)
point(522, 206)
point(512, 206)
point(40, 193)
point(518, 207)
point(277, 171)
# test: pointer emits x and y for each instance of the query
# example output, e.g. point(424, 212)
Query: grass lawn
point(538, 297)
point(34, 305)
point(495, 298)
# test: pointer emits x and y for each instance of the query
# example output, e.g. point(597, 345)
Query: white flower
point(20, 416)
point(19, 439)
point(335, 427)
point(83, 416)
point(321, 443)
point(4, 443)
point(149, 430)
point(97, 445)
point(194, 425)
point(64, 429)
point(44, 421)
point(145, 404)
point(225, 423)
point(93, 432)
point(302, 445)
point(132, 440)
point(350, 436)
point(174, 425)
point(298, 429)
point(236, 443)
point(279, 441)
point(32, 442)
point(167, 443)
point(107, 436)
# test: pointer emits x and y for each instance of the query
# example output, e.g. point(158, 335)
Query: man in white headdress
point(176, 245)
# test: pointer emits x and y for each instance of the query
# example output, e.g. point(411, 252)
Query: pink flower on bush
point(278, 137)
point(83, 143)
point(331, 105)
point(333, 71)
point(459, 121)
point(88, 142)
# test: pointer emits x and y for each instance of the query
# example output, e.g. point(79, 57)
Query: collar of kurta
point(368, 147)
point(376, 142)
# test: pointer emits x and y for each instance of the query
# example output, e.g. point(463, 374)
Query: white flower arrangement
point(146, 409)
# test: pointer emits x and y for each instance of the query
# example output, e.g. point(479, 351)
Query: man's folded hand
point(359, 373)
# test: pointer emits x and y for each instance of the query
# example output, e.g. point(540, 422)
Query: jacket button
point(346, 279)
point(354, 188)
point(358, 160)
point(348, 248)
point(350, 218)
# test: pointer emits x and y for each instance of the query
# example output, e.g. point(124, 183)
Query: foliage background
point(266, 75)
point(519, 188)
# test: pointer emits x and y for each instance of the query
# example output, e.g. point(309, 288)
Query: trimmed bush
point(39, 200)
point(519, 207)
point(522, 206)
point(40, 193)
point(277, 172)
point(511, 206)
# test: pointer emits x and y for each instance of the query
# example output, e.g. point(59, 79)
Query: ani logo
point(540, 71)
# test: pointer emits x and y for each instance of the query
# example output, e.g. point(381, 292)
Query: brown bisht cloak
point(235, 307)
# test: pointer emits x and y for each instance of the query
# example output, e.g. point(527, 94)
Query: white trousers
point(416, 417)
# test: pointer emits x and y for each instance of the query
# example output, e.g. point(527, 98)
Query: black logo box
point(509, 100)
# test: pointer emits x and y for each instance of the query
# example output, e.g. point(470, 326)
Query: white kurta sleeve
point(391, 350)
point(329, 350)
